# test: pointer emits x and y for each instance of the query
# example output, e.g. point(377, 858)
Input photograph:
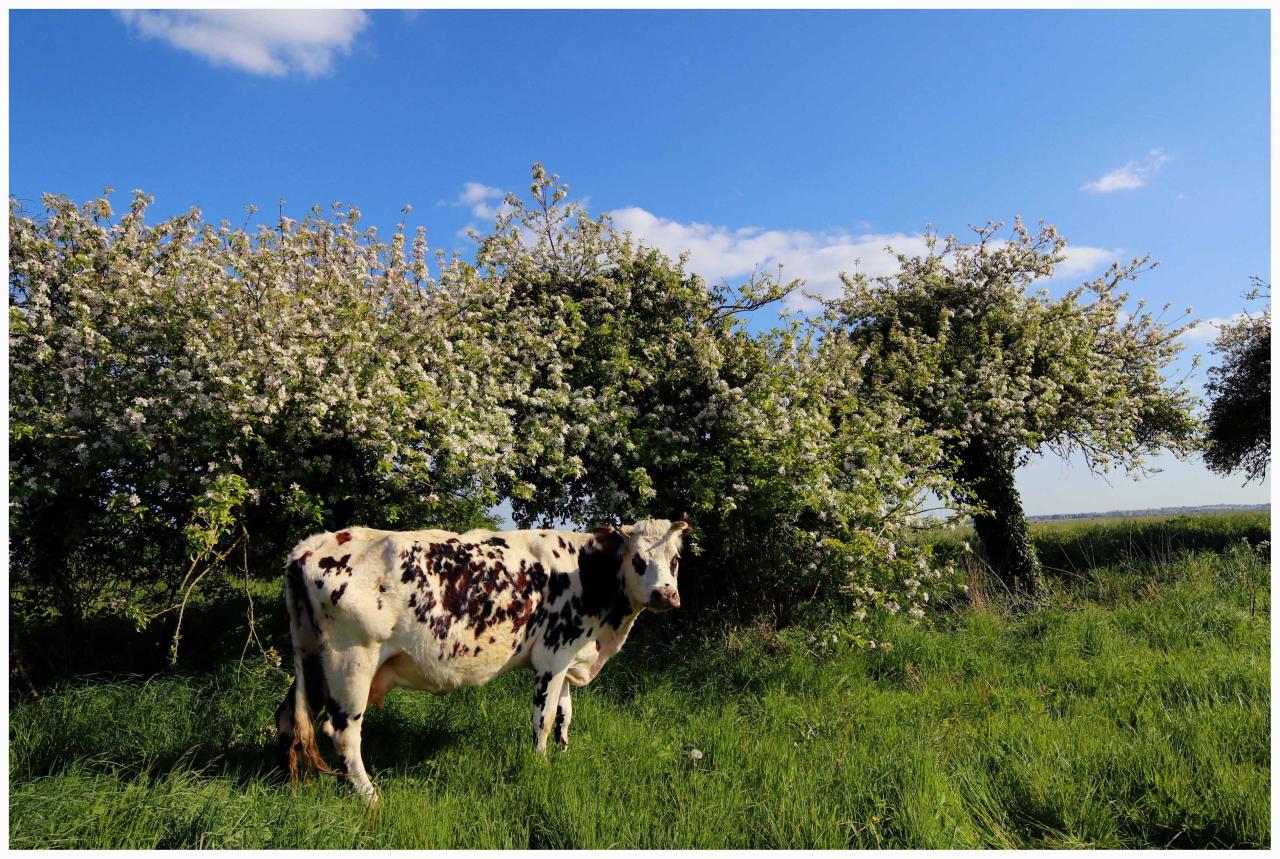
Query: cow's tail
point(302, 754)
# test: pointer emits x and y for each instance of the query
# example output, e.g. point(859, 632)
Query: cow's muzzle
point(663, 599)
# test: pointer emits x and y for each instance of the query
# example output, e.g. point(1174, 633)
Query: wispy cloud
point(818, 258)
point(483, 201)
point(476, 196)
point(271, 43)
point(1083, 260)
point(1207, 329)
point(1131, 176)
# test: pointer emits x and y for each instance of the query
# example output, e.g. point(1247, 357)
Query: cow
point(372, 610)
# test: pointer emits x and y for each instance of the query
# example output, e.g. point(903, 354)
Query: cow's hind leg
point(284, 726)
point(564, 715)
point(350, 674)
point(383, 681)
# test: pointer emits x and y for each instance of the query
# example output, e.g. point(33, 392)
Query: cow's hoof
point(564, 745)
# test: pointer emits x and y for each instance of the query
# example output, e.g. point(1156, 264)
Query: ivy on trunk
point(988, 482)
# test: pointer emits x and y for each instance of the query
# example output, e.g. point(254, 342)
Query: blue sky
point(749, 137)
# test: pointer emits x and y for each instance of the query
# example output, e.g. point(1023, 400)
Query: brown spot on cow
point(338, 565)
point(342, 537)
point(520, 612)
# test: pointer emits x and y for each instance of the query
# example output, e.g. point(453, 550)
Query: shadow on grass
point(219, 724)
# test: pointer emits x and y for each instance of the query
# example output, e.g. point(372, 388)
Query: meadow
point(1129, 710)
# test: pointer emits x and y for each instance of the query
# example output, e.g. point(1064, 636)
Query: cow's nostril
point(663, 599)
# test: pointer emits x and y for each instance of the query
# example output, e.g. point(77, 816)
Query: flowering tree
point(178, 387)
point(650, 398)
point(998, 373)
point(1238, 426)
point(186, 396)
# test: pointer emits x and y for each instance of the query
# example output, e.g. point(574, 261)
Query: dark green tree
point(1238, 426)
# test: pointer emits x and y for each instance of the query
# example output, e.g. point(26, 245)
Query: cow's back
point(458, 606)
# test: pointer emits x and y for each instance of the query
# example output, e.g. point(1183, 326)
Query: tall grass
point(1074, 546)
point(1130, 711)
point(1074, 549)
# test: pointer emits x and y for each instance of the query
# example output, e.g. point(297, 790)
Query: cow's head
point(651, 561)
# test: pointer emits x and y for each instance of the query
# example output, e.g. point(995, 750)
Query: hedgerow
point(188, 399)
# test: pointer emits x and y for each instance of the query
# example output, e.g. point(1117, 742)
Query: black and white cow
point(371, 610)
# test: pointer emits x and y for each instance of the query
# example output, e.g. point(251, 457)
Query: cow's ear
point(608, 537)
point(627, 530)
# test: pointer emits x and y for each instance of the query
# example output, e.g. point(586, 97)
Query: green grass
point(1073, 545)
point(1132, 710)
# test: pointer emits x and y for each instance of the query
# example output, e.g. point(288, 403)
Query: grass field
point(1131, 710)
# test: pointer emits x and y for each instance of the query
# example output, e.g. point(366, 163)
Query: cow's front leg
point(564, 715)
point(546, 689)
point(549, 679)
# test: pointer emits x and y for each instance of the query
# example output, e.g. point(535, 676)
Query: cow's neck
point(604, 591)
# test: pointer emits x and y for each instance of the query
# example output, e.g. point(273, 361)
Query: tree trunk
point(1002, 531)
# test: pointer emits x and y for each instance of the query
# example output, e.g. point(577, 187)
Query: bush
point(188, 399)
point(181, 389)
point(652, 399)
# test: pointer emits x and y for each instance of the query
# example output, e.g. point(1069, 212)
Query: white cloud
point(485, 202)
point(475, 196)
point(1082, 260)
point(719, 253)
point(272, 43)
point(722, 253)
point(1207, 329)
point(1131, 176)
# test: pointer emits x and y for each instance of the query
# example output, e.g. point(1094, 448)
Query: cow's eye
point(675, 563)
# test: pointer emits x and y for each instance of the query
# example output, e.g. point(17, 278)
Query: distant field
point(1228, 519)
point(1131, 711)
point(1071, 545)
